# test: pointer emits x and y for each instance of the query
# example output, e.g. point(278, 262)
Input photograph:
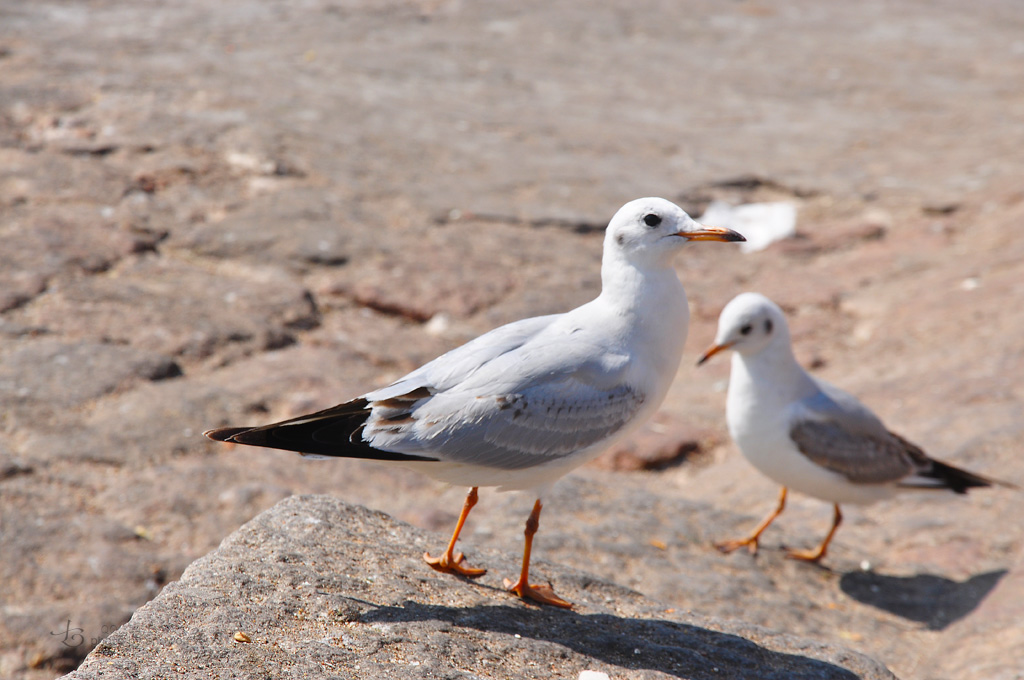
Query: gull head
point(748, 324)
point(648, 231)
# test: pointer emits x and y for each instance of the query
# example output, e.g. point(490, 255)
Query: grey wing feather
point(460, 363)
point(863, 459)
point(512, 431)
point(557, 420)
point(835, 404)
point(522, 395)
point(834, 430)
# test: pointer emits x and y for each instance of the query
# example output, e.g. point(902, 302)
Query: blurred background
point(235, 212)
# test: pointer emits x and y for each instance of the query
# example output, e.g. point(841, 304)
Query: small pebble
point(593, 675)
point(242, 637)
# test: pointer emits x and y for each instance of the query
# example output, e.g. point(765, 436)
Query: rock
point(315, 585)
point(229, 315)
point(62, 545)
point(42, 378)
point(298, 228)
point(43, 243)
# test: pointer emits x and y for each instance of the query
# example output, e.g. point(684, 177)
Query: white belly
point(764, 441)
point(538, 478)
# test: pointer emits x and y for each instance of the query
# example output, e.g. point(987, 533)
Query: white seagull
point(524, 404)
point(808, 435)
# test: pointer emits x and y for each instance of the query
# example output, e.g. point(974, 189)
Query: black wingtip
point(224, 434)
point(959, 480)
point(331, 432)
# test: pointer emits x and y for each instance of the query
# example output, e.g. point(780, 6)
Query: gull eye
point(745, 329)
point(652, 220)
point(768, 326)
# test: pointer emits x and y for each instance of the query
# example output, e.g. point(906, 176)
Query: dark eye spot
point(745, 329)
point(620, 239)
point(768, 326)
point(652, 220)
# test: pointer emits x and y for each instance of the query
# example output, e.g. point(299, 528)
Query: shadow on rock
point(669, 647)
point(933, 600)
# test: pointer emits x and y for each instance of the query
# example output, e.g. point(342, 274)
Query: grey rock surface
point(315, 587)
point(235, 212)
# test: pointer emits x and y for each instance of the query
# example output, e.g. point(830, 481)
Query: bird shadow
point(670, 647)
point(933, 600)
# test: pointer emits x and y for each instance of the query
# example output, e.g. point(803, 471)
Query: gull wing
point(552, 396)
point(338, 431)
point(460, 363)
point(527, 393)
point(863, 459)
point(834, 430)
point(509, 430)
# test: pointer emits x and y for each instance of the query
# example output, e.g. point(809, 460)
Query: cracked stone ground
point(237, 212)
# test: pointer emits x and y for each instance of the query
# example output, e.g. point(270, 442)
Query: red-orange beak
point(713, 351)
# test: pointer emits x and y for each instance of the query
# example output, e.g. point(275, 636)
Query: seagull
point(808, 435)
point(519, 407)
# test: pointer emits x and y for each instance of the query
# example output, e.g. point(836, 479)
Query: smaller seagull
point(809, 435)
point(524, 404)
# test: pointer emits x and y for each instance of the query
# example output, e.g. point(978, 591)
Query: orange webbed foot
point(453, 564)
point(544, 594)
point(813, 556)
point(729, 546)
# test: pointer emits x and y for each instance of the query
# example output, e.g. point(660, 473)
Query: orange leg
point(522, 587)
point(751, 540)
point(816, 555)
point(451, 561)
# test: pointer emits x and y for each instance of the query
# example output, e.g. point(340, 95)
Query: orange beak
point(713, 351)
point(707, 233)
